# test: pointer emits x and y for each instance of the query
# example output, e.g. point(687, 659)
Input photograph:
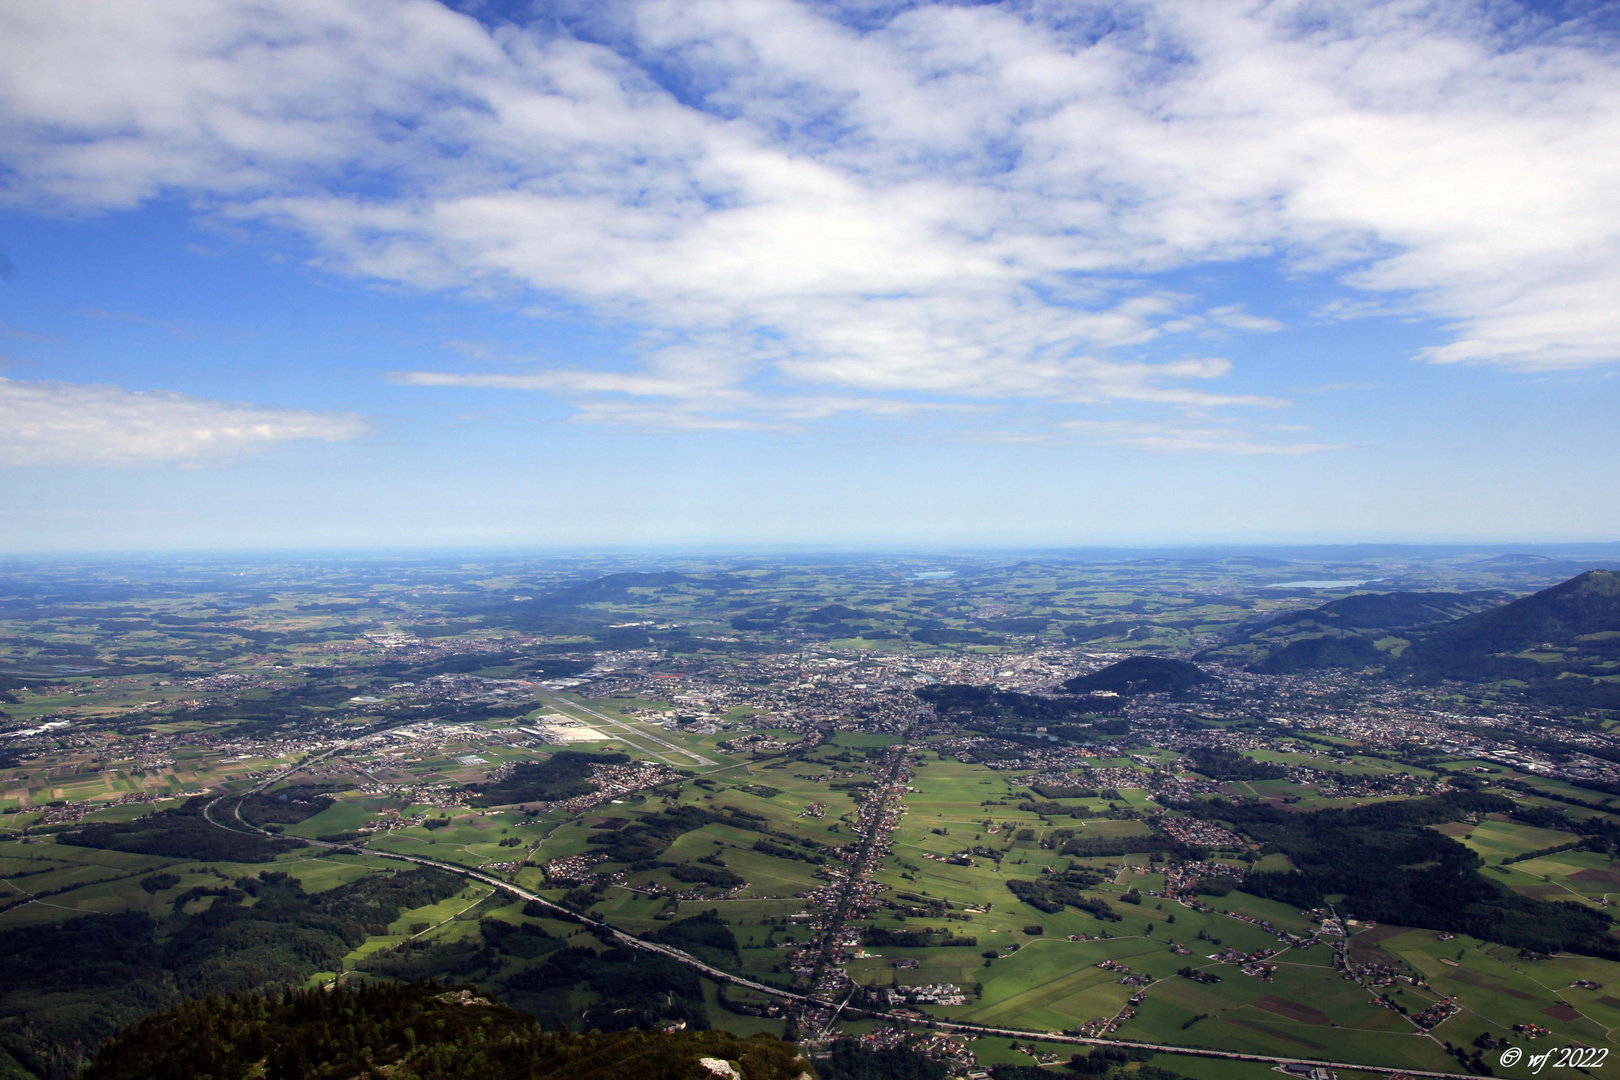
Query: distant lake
point(932, 575)
point(1323, 584)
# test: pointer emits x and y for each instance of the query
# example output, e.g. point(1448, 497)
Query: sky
point(396, 273)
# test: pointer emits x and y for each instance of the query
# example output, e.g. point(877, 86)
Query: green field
point(427, 668)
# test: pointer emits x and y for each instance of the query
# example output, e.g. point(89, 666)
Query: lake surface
point(1322, 584)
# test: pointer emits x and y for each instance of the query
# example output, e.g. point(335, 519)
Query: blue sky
point(367, 272)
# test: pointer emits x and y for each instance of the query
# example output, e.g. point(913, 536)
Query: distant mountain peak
point(1562, 617)
point(1603, 582)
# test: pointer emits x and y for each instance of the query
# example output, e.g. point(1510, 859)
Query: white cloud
point(1178, 437)
point(54, 423)
point(28, 335)
point(956, 205)
point(1233, 316)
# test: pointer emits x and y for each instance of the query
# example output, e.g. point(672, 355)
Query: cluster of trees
point(632, 989)
point(1393, 868)
point(1051, 894)
point(718, 876)
point(1229, 765)
point(523, 940)
point(1539, 852)
point(923, 937)
point(1103, 1059)
point(1051, 791)
point(1057, 809)
point(911, 904)
point(1089, 847)
point(849, 1061)
point(646, 839)
point(1196, 975)
point(1215, 886)
point(421, 958)
point(284, 807)
point(156, 883)
point(561, 776)
point(641, 842)
point(783, 851)
point(703, 931)
point(179, 833)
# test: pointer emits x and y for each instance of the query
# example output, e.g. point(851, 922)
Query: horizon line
point(1233, 548)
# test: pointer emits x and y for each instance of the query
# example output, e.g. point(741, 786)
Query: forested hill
point(1140, 675)
point(1554, 618)
point(1559, 647)
point(65, 987)
point(1561, 644)
point(1393, 611)
point(416, 1032)
point(1341, 633)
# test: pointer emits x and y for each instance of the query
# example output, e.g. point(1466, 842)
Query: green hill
point(1318, 653)
point(1557, 617)
point(1141, 675)
point(1560, 646)
point(1563, 643)
point(1393, 611)
point(416, 1032)
point(1341, 633)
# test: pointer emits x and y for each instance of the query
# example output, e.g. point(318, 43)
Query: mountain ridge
point(1559, 646)
point(416, 1031)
